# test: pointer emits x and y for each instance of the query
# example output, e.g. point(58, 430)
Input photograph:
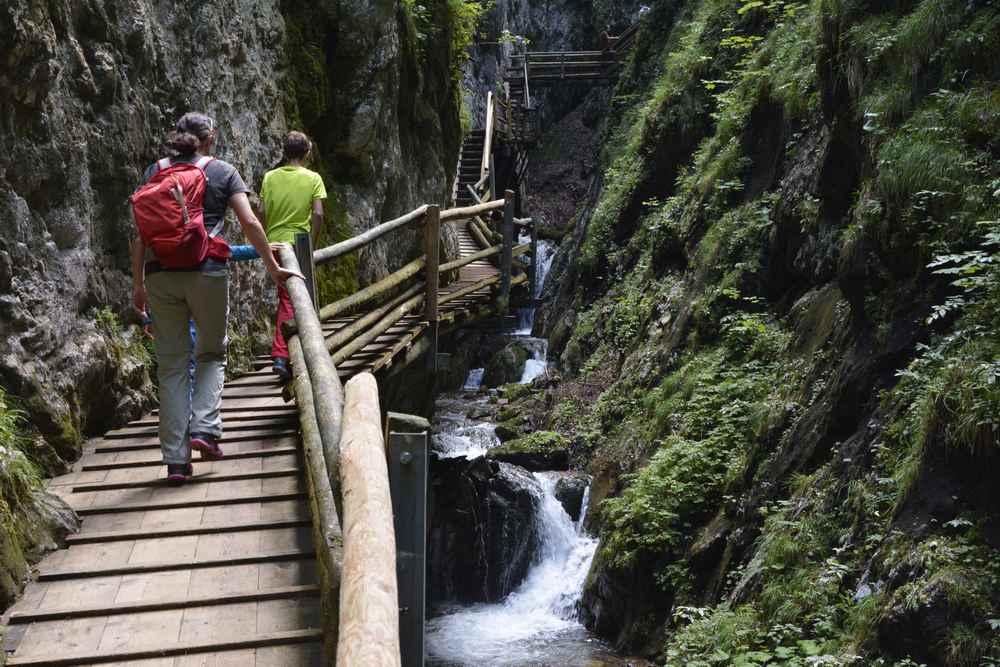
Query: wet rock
point(542, 450)
point(570, 491)
point(483, 532)
point(40, 526)
point(507, 365)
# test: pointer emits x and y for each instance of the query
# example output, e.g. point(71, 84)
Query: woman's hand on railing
point(282, 274)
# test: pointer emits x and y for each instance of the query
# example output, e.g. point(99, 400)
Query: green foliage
point(703, 416)
point(19, 477)
point(538, 442)
point(123, 344)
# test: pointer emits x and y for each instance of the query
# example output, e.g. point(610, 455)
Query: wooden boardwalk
point(219, 571)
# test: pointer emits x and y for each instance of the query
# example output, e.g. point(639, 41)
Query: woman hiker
point(292, 202)
point(179, 269)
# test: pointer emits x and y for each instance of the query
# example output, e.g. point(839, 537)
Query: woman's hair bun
point(183, 143)
point(192, 129)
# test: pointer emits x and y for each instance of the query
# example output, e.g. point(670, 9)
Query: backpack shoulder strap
point(163, 164)
point(203, 161)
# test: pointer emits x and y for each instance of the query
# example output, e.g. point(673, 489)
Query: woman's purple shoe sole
point(210, 450)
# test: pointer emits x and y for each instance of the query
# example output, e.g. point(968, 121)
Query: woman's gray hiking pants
point(175, 297)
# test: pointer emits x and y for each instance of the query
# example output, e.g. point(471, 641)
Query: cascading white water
point(455, 434)
point(537, 623)
point(475, 379)
point(526, 316)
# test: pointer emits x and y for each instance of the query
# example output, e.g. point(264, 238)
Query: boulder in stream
point(483, 532)
point(570, 491)
point(507, 365)
point(541, 450)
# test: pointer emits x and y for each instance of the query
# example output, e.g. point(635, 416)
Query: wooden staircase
point(470, 163)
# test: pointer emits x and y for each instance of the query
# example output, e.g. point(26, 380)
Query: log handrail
point(484, 171)
point(369, 598)
point(355, 242)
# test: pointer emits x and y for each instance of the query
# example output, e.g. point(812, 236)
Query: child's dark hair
point(296, 146)
point(192, 129)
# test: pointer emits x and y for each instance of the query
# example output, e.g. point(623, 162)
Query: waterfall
point(537, 623)
point(526, 316)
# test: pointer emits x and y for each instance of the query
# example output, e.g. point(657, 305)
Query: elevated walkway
point(237, 566)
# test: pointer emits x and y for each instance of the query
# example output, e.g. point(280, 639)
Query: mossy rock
point(542, 450)
point(516, 391)
point(506, 366)
point(510, 429)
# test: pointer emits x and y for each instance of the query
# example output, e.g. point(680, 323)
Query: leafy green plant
point(19, 477)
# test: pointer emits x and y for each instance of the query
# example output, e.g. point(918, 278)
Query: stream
point(537, 624)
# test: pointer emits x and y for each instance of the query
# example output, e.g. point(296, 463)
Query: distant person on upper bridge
point(292, 203)
point(179, 270)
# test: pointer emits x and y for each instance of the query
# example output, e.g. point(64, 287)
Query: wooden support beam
point(355, 328)
point(373, 291)
point(378, 328)
point(369, 611)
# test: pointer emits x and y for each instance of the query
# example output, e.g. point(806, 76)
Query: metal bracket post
point(407, 444)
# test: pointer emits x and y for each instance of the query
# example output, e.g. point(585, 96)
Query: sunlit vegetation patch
point(18, 475)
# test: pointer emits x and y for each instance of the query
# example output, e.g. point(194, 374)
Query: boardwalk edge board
point(213, 529)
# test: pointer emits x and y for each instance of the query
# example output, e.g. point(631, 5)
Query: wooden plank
point(168, 566)
point(175, 649)
point(252, 454)
point(147, 534)
point(170, 505)
point(68, 613)
point(198, 479)
point(153, 443)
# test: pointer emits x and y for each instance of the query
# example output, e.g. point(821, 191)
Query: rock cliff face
point(87, 92)
point(786, 410)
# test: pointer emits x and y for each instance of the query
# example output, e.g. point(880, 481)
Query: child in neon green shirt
point(292, 198)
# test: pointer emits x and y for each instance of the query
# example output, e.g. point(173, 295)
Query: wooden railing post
point(432, 246)
point(304, 253)
point(406, 444)
point(507, 254)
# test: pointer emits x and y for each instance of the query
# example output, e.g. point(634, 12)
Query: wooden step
point(68, 613)
point(170, 566)
point(210, 478)
point(252, 454)
point(217, 529)
point(259, 641)
point(184, 504)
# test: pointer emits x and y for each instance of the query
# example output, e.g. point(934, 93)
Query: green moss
point(539, 442)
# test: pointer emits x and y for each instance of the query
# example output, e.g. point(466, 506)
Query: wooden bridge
point(531, 70)
point(249, 563)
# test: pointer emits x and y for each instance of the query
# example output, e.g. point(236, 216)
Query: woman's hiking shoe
point(178, 473)
point(208, 446)
point(281, 369)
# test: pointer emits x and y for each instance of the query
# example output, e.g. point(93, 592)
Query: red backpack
point(175, 232)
